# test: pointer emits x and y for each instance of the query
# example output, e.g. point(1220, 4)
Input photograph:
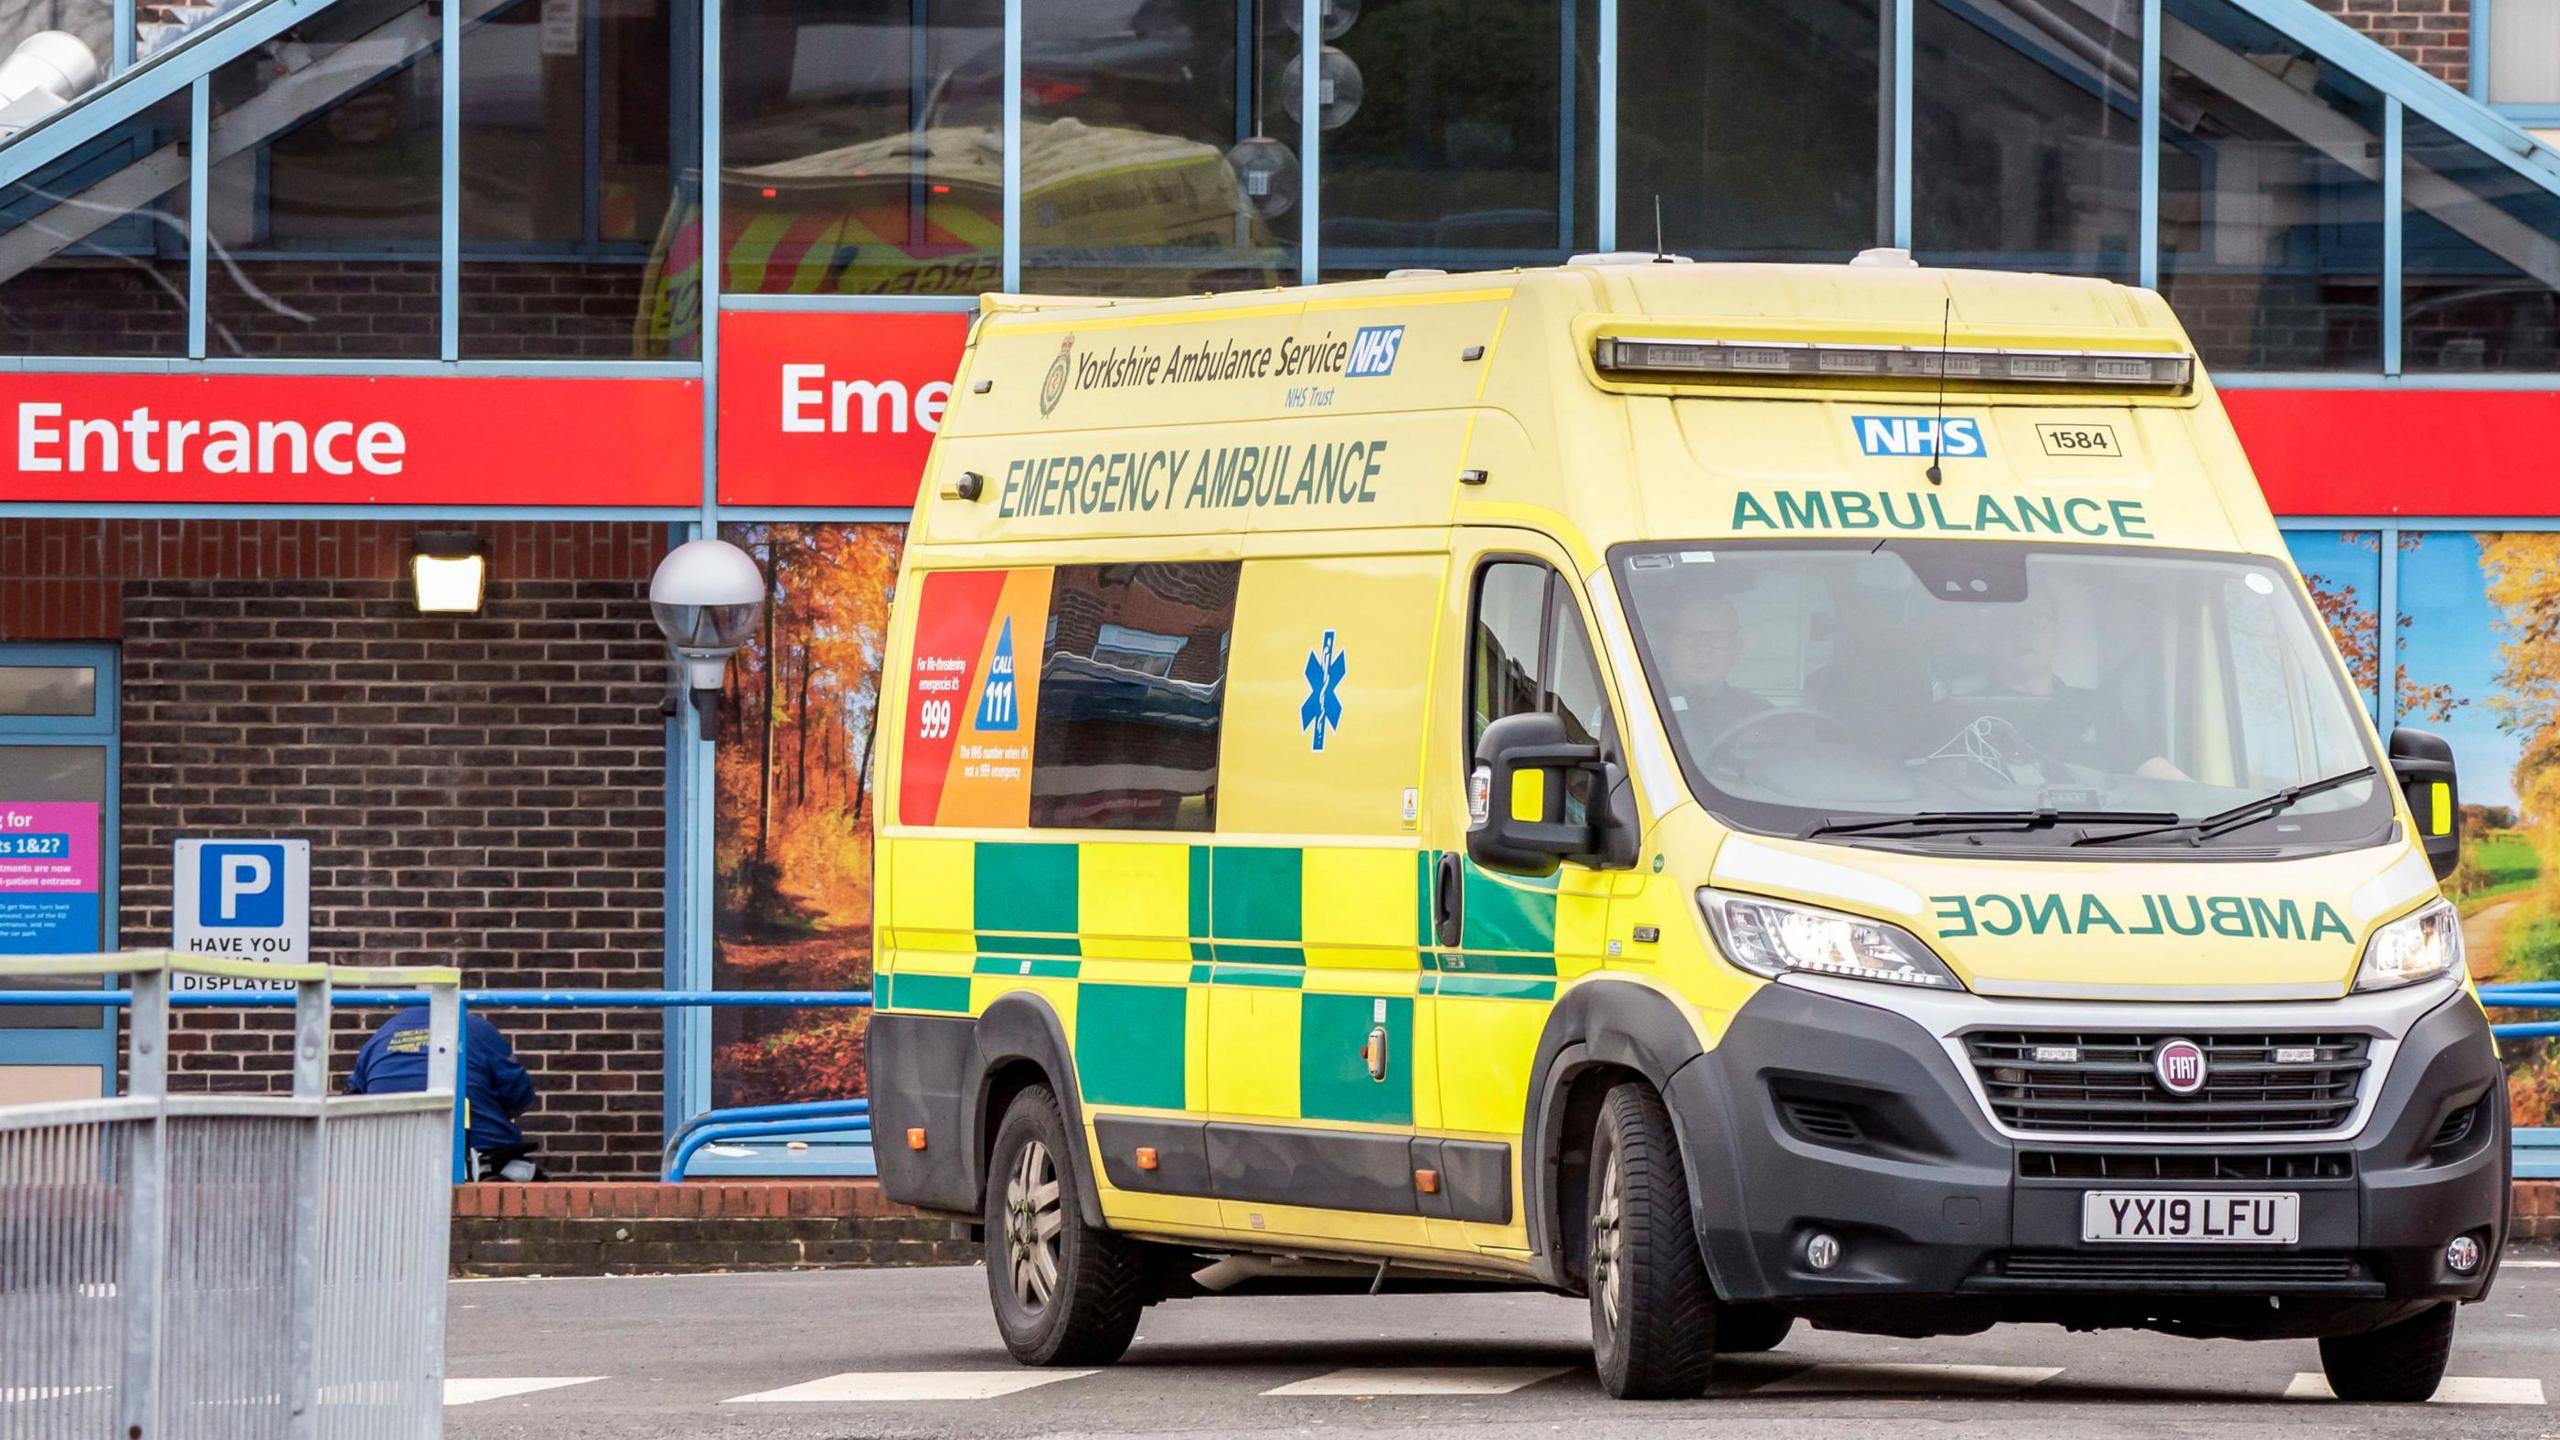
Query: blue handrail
point(710, 1127)
point(530, 1000)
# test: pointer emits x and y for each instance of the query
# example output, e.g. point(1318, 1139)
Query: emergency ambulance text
point(1123, 482)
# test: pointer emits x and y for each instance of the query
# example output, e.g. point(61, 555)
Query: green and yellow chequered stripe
point(1346, 928)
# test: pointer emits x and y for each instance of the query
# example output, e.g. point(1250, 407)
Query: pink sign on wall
point(49, 881)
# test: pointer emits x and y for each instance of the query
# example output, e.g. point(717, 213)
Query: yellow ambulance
point(1750, 793)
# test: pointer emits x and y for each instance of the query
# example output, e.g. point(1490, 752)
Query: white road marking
point(472, 1392)
point(858, 1387)
point(2529, 1264)
point(1911, 1379)
point(2456, 1390)
point(1452, 1380)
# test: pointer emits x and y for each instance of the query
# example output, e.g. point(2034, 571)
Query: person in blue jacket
point(495, 1085)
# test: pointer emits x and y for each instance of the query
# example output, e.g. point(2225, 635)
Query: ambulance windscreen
point(1810, 688)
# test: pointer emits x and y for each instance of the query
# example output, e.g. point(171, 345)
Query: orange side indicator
point(1427, 1181)
point(915, 1137)
point(1146, 1157)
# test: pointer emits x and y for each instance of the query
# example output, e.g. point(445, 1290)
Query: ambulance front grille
point(2103, 1083)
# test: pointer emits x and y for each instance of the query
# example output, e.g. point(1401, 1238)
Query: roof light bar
point(1744, 359)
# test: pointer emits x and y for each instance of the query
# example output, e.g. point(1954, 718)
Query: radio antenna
point(1938, 426)
point(1659, 249)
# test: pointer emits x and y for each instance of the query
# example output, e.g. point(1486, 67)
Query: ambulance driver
point(1699, 640)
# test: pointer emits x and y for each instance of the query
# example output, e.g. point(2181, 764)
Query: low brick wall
point(2537, 1210)
point(623, 1229)
point(642, 1228)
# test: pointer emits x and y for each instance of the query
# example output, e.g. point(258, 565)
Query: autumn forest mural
point(792, 860)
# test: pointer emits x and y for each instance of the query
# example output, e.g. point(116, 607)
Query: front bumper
point(1823, 1112)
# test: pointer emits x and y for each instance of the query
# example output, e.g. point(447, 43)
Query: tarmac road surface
point(913, 1353)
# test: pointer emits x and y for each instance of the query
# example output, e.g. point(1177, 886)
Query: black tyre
point(1751, 1329)
point(1653, 1314)
point(2403, 1362)
point(1064, 1292)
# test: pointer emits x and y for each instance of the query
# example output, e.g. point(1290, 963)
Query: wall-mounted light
point(452, 574)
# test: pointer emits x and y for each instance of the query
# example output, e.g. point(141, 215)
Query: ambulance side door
point(1504, 944)
point(1316, 1072)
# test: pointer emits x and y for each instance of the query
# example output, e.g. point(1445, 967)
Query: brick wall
point(486, 791)
point(696, 1226)
point(2432, 34)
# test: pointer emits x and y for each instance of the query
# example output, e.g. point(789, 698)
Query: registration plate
point(2190, 1217)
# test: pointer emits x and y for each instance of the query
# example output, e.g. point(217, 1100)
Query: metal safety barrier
point(227, 1267)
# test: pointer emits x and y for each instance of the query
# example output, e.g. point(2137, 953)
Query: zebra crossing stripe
point(2456, 1390)
point(1901, 1378)
point(880, 1387)
point(472, 1392)
point(1450, 1380)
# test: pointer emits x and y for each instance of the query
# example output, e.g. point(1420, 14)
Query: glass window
point(863, 147)
point(1717, 121)
point(791, 828)
point(1132, 683)
point(1511, 602)
point(2270, 196)
point(578, 154)
point(2524, 52)
point(2480, 269)
point(2026, 135)
point(1455, 134)
point(1150, 165)
point(48, 690)
point(326, 174)
point(93, 248)
point(2343, 570)
point(2012, 678)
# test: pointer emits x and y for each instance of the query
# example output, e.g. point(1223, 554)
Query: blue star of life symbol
point(1321, 711)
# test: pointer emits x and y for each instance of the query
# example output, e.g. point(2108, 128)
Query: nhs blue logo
point(1954, 438)
point(1373, 351)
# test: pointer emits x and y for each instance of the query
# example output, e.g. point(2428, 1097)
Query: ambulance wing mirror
point(2423, 764)
point(1537, 796)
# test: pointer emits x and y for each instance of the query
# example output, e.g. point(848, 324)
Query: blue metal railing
point(747, 1122)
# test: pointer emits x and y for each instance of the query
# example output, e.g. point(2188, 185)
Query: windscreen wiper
point(1957, 822)
point(2247, 812)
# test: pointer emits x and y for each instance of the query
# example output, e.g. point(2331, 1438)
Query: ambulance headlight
point(2418, 946)
point(1770, 937)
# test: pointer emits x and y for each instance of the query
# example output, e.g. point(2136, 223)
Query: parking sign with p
point(242, 900)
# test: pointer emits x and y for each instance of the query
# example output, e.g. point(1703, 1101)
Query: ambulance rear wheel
point(1653, 1313)
point(1065, 1293)
point(2401, 1362)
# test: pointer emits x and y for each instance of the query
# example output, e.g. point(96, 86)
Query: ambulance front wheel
point(2402, 1362)
point(1653, 1312)
point(1064, 1292)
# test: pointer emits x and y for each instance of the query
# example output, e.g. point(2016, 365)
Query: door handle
point(1447, 903)
point(1375, 1052)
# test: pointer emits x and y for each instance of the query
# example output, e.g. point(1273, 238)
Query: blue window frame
point(58, 754)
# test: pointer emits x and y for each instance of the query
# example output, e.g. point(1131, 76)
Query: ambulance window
point(1531, 653)
point(1132, 683)
point(1511, 602)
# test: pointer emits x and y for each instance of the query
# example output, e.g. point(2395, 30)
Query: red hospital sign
point(832, 408)
point(350, 439)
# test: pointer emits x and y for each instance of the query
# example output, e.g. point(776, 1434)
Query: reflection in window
point(2480, 267)
point(1755, 126)
point(48, 690)
point(862, 147)
point(1504, 670)
point(326, 174)
point(1456, 134)
point(574, 141)
point(84, 269)
point(2026, 130)
point(1130, 112)
point(1131, 687)
point(2270, 196)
